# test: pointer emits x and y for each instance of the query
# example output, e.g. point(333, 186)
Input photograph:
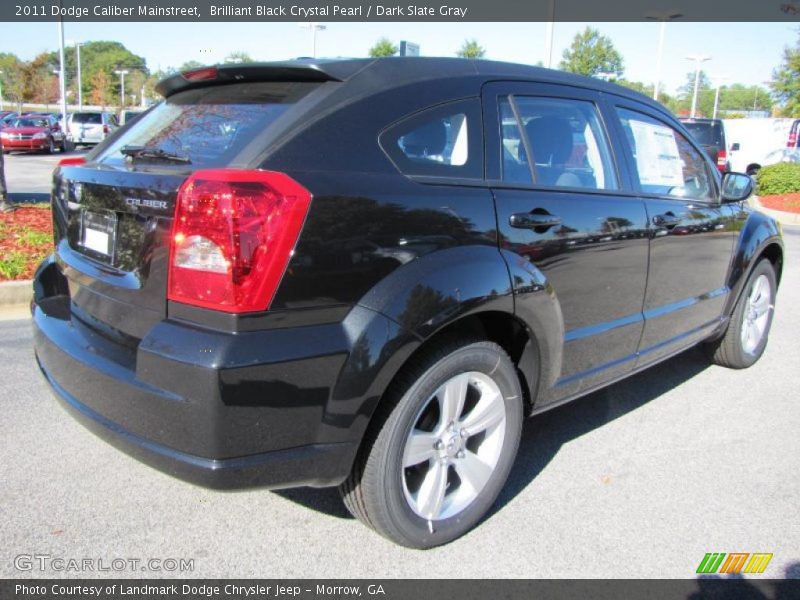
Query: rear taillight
point(106, 129)
point(232, 238)
point(71, 162)
point(792, 140)
point(722, 160)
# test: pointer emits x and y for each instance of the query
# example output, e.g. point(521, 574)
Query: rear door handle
point(666, 220)
point(533, 220)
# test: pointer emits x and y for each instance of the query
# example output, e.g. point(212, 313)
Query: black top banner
point(401, 10)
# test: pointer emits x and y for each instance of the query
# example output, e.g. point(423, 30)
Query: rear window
point(88, 118)
point(707, 134)
point(209, 126)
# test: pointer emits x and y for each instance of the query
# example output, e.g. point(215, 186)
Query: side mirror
point(735, 147)
point(736, 187)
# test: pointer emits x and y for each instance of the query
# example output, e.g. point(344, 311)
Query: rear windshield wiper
point(151, 152)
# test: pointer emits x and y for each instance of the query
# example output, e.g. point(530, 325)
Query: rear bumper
point(226, 419)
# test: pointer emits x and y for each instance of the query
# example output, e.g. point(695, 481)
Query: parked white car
point(91, 127)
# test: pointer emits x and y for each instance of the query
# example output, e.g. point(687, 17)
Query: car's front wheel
point(441, 448)
point(746, 337)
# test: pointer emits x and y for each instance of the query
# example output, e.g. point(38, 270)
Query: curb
point(785, 218)
point(16, 292)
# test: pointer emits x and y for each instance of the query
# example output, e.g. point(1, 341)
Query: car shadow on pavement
point(543, 436)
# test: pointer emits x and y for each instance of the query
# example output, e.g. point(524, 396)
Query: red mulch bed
point(785, 202)
point(14, 229)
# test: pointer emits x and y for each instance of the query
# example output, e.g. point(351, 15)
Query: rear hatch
point(87, 126)
point(114, 214)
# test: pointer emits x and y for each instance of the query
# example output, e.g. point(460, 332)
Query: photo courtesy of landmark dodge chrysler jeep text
point(365, 273)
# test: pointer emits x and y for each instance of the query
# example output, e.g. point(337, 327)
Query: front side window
point(443, 141)
point(554, 142)
point(667, 164)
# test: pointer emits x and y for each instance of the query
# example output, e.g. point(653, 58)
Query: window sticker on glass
point(657, 158)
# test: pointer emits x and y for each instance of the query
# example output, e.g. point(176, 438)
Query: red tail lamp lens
point(233, 236)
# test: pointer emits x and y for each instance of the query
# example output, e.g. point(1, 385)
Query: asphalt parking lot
point(638, 480)
point(28, 173)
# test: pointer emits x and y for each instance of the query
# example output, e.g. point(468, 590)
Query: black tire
point(729, 350)
point(375, 492)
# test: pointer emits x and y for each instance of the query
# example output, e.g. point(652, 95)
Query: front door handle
point(533, 220)
point(667, 220)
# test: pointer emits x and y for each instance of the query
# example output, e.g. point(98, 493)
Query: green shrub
point(781, 178)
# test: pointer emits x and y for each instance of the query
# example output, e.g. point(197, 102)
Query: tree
point(97, 56)
point(471, 49)
point(647, 90)
point(101, 89)
point(591, 54)
point(240, 56)
point(11, 78)
point(187, 66)
point(383, 47)
point(786, 81)
point(740, 97)
point(705, 95)
point(37, 78)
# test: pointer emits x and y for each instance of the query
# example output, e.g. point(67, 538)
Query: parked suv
point(365, 273)
point(91, 127)
point(710, 133)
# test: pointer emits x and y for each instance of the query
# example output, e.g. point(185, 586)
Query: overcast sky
point(743, 52)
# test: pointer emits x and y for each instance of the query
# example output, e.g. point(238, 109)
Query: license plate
point(99, 232)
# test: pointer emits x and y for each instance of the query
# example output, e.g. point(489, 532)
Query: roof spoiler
point(237, 73)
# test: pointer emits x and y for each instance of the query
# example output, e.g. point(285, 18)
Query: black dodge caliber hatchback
point(365, 274)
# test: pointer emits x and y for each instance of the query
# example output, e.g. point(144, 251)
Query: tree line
point(590, 53)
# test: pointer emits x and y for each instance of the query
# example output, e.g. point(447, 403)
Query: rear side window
point(442, 141)
point(666, 162)
point(557, 141)
point(706, 134)
point(88, 118)
point(209, 126)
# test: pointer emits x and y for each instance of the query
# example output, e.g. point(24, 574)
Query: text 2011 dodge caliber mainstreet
point(364, 273)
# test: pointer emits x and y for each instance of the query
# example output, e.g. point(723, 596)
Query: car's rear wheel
point(441, 447)
point(746, 337)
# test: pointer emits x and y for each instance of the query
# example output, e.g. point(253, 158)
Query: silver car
point(91, 127)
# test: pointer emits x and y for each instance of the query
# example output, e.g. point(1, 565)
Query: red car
point(33, 132)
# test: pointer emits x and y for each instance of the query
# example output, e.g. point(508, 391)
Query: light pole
point(548, 38)
point(663, 18)
point(62, 75)
point(80, 79)
point(698, 60)
point(313, 27)
point(121, 74)
point(718, 84)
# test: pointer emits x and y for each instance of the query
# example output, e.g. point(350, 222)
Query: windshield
point(707, 134)
point(29, 123)
point(211, 125)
